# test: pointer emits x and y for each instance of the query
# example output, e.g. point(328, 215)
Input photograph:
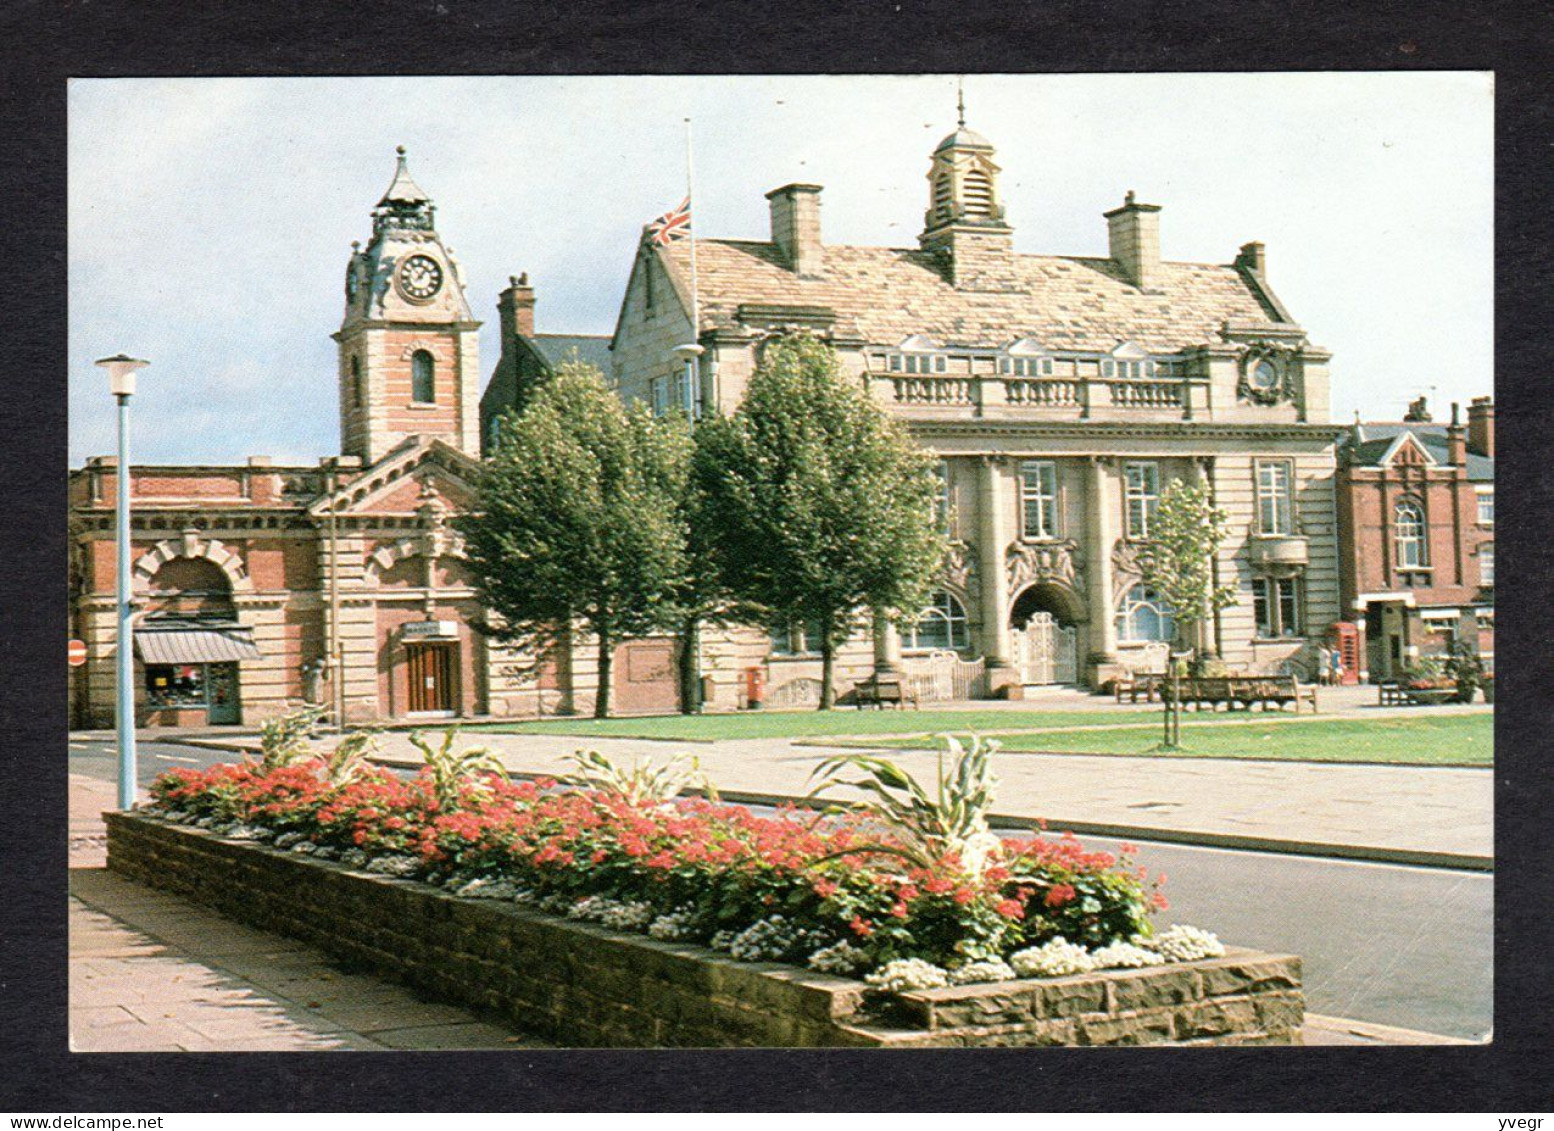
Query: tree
point(1186, 534)
point(579, 522)
point(820, 504)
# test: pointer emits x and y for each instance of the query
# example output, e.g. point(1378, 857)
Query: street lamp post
point(690, 668)
point(121, 380)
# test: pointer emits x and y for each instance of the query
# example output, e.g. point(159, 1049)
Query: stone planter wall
point(581, 984)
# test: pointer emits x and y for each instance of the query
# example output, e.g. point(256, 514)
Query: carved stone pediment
point(1028, 562)
point(1266, 372)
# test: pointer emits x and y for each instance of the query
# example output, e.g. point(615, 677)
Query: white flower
point(305, 847)
point(612, 913)
point(721, 940)
point(991, 970)
point(354, 857)
point(286, 840)
point(1181, 943)
point(907, 974)
point(1053, 959)
point(839, 958)
point(245, 832)
point(1124, 954)
point(772, 939)
point(678, 926)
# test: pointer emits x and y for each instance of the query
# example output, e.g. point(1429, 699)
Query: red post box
point(755, 687)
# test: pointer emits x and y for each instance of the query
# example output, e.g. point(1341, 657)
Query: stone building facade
point(1062, 394)
point(264, 586)
point(1416, 509)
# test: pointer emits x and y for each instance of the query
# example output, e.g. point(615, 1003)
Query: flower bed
point(802, 887)
point(583, 983)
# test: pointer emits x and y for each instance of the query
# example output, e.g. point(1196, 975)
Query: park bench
point(877, 692)
point(1135, 684)
point(1243, 691)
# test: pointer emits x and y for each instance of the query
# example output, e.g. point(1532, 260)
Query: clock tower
point(409, 354)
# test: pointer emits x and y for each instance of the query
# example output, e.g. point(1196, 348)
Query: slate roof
point(883, 295)
point(1432, 437)
point(594, 349)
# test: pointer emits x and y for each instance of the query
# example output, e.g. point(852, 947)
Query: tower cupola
point(964, 225)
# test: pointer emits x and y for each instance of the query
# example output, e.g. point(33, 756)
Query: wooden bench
point(876, 692)
point(1389, 693)
point(1135, 684)
point(1242, 691)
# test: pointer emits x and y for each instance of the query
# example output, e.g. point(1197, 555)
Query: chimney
point(1134, 231)
point(1481, 426)
point(1456, 439)
point(796, 227)
point(515, 309)
point(1253, 259)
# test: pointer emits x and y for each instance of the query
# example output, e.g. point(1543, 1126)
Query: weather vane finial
point(960, 100)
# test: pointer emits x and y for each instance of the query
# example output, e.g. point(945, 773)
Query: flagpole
point(690, 196)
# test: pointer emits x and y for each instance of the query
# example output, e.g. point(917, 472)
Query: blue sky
point(211, 219)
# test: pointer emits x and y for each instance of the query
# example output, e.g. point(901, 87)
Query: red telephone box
point(1344, 639)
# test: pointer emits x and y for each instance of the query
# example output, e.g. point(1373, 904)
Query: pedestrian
point(1337, 676)
point(1324, 664)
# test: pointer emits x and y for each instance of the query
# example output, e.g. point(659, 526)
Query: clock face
point(420, 278)
point(1264, 375)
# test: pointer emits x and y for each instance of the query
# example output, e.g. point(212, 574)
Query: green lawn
point(1444, 740)
point(806, 724)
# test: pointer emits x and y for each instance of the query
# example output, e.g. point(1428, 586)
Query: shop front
point(190, 672)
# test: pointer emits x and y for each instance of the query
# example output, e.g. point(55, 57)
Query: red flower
point(1010, 908)
point(899, 910)
point(1060, 894)
point(964, 895)
point(861, 927)
point(825, 889)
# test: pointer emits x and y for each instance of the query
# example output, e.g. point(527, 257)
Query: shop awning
point(197, 645)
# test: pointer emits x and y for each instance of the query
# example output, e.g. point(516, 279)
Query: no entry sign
point(77, 653)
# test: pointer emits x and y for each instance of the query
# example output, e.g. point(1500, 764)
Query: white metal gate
point(942, 677)
point(1046, 652)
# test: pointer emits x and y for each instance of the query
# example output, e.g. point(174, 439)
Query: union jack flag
point(672, 224)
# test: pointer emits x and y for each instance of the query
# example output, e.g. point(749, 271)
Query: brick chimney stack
point(796, 227)
point(1481, 426)
point(515, 310)
point(1456, 439)
point(1253, 258)
point(1134, 235)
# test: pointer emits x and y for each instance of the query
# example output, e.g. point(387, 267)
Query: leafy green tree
point(819, 505)
point(1185, 536)
point(580, 521)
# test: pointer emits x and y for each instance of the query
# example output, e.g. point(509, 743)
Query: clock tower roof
point(403, 190)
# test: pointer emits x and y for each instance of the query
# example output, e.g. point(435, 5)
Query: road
point(1386, 943)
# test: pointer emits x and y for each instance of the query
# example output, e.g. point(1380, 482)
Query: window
point(1486, 564)
point(1486, 506)
point(1142, 495)
point(1275, 508)
point(1144, 617)
point(423, 388)
point(659, 388)
point(358, 392)
point(803, 641)
point(917, 363)
point(175, 685)
point(941, 499)
point(1408, 536)
point(942, 625)
point(1276, 605)
point(1039, 498)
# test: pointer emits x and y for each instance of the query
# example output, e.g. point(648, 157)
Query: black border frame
point(45, 43)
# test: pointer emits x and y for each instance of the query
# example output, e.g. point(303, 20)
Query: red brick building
point(1416, 513)
point(343, 582)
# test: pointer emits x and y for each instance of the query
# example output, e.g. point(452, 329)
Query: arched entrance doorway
point(1041, 622)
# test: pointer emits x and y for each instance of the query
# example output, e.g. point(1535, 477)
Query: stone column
point(887, 645)
point(1102, 514)
point(992, 541)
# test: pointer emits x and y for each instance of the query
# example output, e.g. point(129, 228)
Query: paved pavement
point(150, 972)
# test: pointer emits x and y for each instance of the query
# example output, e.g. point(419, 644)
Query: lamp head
point(121, 373)
point(690, 350)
